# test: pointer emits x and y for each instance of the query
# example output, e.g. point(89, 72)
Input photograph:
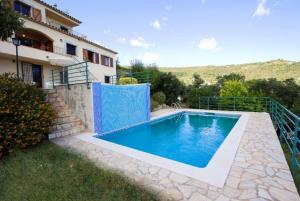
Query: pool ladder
point(177, 106)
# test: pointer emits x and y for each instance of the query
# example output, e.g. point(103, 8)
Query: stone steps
point(66, 122)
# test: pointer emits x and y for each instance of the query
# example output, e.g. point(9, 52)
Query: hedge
point(25, 116)
point(127, 80)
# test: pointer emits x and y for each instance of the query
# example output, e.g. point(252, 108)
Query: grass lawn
point(48, 172)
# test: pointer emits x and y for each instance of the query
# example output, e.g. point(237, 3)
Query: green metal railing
point(73, 74)
point(142, 77)
point(286, 123)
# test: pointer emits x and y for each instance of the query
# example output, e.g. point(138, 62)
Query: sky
point(191, 32)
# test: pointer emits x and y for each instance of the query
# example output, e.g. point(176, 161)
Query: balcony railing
point(141, 77)
point(71, 31)
point(69, 75)
point(286, 123)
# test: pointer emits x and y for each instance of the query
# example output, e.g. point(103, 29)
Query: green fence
point(286, 123)
point(73, 74)
point(142, 77)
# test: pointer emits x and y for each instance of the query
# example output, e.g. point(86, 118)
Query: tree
point(234, 88)
point(232, 76)
point(10, 22)
point(194, 93)
point(169, 84)
point(286, 92)
point(197, 80)
point(137, 66)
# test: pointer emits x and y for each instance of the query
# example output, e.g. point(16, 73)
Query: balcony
point(65, 29)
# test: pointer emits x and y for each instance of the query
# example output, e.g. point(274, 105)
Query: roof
point(69, 34)
point(57, 10)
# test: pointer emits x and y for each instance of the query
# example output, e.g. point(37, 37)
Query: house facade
point(48, 43)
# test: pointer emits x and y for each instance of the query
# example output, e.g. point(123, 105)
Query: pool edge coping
point(216, 171)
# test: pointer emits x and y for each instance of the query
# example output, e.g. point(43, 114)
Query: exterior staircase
point(66, 122)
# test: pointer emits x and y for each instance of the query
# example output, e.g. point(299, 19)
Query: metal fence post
point(208, 106)
point(199, 103)
point(87, 75)
point(148, 75)
point(295, 151)
point(281, 125)
point(234, 107)
point(52, 72)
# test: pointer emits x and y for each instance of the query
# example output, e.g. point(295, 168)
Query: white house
point(48, 42)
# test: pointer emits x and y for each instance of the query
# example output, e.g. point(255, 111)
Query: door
point(37, 75)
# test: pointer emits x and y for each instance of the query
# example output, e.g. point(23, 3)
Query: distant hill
point(280, 69)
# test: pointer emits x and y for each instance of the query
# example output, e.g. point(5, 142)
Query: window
point(64, 78)
point(107, 61)
point(71, 49)
point(64, 28)
point(90, 56)
point(107, 79)
point(22, 8)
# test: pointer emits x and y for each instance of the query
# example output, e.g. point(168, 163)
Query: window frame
point(75, 50)
point(22, 7)
point(109, 79)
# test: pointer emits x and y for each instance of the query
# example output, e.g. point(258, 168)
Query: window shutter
point(111, 62)
point(36, 14)
point(97, 58)
point(102, 60)
point(84, 51)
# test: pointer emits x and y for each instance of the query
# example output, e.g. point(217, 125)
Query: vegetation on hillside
point(286, 91)
point(279, 69)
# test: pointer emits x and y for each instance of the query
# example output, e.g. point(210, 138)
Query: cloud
point(122, 40)
point(156, 25)
point(261, 9)
point(203, 1)
point(208, 43)
point(165, 18)
point(107, 31)
point(149, 57)
point(139, 42)
point(168, 7)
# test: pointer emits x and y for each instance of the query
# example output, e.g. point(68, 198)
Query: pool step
point(66, 122)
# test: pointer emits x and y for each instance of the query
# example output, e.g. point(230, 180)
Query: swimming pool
point(186, 137)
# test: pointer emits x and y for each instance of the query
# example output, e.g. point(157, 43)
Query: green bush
point(154, 105)
point(25, 117)
point(159, 97)
point(127, 80)
point(234, 88)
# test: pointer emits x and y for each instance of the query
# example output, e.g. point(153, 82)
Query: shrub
point(127, 80)
point(25, 117)
point(154, 105)
point(159, 97)
point(169, 84)
point(234, 88)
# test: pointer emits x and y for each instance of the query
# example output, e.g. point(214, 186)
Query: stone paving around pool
point(259, 171)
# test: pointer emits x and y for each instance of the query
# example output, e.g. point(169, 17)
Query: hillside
point(279, 69)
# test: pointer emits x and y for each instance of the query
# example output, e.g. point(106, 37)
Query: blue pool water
point(190, 138)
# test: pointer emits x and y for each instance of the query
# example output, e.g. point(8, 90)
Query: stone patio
point(259, 171)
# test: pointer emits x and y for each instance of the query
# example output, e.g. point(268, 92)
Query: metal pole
point(87, 75)
point(52, 78)
point(294, 154)
point(234, 103)
point(208, 103)
point(17, 60)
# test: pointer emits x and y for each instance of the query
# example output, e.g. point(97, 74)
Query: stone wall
point(79, 99)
